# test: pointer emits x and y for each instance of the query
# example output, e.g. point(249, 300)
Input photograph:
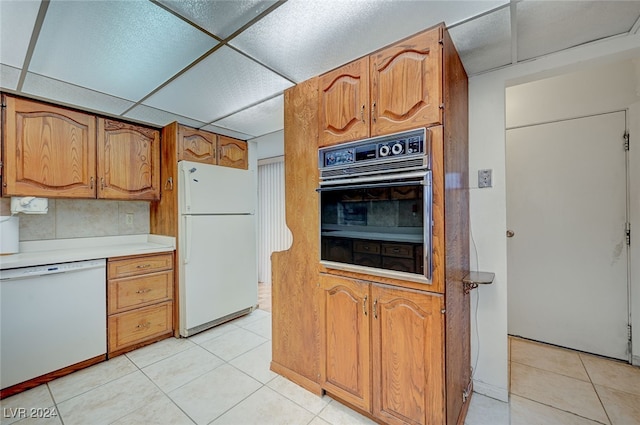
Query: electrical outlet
point(128, 219)
point(484, 178)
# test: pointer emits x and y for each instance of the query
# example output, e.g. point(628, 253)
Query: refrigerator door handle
point(187, 188)
point(187, 239)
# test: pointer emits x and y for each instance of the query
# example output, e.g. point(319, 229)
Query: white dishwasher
point(51, 317)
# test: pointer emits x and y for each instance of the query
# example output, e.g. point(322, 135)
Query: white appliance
point(218, 278)
point(51, 317)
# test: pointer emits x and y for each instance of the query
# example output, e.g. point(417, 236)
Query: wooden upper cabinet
point(232, 153)
point(344, 103)
point(347, 368)
point(398, 88)
point(408, 361)
point(406, 84)
point(49, 151)
point(128, 161)
point(196, 145)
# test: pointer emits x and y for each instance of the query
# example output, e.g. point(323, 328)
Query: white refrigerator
point(218, 277)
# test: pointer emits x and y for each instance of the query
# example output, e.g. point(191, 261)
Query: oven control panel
point(392, 147)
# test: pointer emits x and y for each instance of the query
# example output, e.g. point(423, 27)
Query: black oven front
point(376, 205)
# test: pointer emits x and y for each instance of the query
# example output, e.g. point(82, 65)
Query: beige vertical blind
point(273, 234)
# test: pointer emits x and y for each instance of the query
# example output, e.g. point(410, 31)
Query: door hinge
point(628, 233)
point(629, 332)
point(626, 140)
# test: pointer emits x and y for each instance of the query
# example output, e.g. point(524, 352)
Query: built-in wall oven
point(376, 205)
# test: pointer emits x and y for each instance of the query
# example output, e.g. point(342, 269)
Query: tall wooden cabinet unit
point(395, 350)
point(56, 152)
point(398, 88)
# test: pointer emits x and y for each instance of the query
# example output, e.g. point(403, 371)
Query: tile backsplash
point(82, 218)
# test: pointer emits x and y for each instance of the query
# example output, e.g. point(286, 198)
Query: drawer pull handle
point(396, 250)
point(144, 325)
point(143, 266)
point(143, 291)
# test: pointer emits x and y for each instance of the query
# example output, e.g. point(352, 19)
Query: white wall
point(487, 123)
point(270, 145)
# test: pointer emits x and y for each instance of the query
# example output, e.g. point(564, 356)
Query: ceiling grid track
point(221, 42)
point(42, 12)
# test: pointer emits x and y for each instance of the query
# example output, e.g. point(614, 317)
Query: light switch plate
point(484, 178)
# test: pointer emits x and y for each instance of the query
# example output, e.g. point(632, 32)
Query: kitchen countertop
point(34, 253)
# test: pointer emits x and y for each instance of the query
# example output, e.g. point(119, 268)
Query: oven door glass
point(379, 225)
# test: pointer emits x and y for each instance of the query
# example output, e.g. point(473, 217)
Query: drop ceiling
point(223, 65)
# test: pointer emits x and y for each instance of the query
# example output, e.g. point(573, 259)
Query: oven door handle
point(373, 185)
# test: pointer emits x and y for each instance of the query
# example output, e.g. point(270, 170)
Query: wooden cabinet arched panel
point(232, 153)
point(128, 161)
point(406, 84)
point(344, 103)
point(408, 364)
point(196, 145)
point(50, 151)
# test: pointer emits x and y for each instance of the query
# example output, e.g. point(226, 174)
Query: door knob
point(510, 233)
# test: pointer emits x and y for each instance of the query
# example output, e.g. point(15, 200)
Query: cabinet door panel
point(347, 348)
point(128, 161)
point(406, 84)
point(50, 151)
point(407, 336)
point(232, 153)
point(196, 145)
point(344, 103)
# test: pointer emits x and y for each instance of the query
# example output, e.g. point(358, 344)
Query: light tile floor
point(222, 376)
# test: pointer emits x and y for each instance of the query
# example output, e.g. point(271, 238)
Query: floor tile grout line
point(558, 408)
point(595, 390)
point(551, 371)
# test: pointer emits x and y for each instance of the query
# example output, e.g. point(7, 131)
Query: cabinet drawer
point(138, 325)
point(397, 250)
point(138, 291)
point(366, 247)
point(139, 265)
point(369, 260)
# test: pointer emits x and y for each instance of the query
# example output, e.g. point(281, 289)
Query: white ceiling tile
point(227, 132)
point(124, 48)
point(221, 18)
point(550, 26)
point(17, 19)
point(263, 118)
point(303, 38)
point(160, 118)
point(221, 84)
point(9, 77)
point(69, 94)
point(484, 43)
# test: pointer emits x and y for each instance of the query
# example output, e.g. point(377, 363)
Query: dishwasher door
point(51, 317)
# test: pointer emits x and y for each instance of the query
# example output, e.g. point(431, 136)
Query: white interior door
point(568, 258)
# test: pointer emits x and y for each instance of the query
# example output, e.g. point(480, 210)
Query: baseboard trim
point(492, 391)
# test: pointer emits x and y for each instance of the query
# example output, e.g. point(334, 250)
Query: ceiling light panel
point(221, 84)
point(61, 92)
point(263, 118)
point(303, 38)
point(589, 21)
point(17, 19)
point(484, 43)
point(123, 48)
point(221, 18)
point(147, 114)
